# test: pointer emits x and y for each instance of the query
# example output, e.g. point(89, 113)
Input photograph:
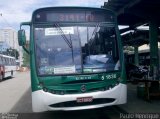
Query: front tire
point(12, 73)
point(1, 77)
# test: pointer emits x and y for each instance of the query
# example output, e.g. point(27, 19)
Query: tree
point(26, 56)
point(26, 59)
point(128, 49)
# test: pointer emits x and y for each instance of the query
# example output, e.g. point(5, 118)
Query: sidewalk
point(137, 105)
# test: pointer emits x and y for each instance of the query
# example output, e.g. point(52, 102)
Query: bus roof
point(48, 13)
point(71, 7)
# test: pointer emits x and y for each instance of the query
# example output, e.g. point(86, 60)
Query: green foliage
point(128, 48)
point(26, 59)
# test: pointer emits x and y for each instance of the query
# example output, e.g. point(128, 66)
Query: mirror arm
point(26, 50)
point(25, 23)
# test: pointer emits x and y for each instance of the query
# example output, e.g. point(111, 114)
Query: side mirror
point(21, 37)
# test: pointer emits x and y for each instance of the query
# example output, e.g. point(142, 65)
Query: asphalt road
point(15, 94)
point(15, 97)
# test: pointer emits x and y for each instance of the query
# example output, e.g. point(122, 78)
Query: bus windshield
point(75, 48)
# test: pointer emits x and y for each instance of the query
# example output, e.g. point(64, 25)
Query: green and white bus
point(76, 59)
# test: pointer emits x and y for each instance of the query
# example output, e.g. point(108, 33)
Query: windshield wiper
point(68, 41)
point(88, 43)
point(94, 32)
point(63, 35)
point(71, 47)
point(89, 40)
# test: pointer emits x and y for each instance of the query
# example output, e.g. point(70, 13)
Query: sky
point(13, 12)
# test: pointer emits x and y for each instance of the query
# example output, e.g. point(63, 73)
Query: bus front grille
point(81, 81)
point(76, 104)
point(74, 91)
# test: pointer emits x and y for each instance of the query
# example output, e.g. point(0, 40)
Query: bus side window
point(11, 61)
point(1, 60)
point(5, 61)
point(14, 62)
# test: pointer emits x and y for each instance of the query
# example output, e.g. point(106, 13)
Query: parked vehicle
point(136, 72)
point(7, 66)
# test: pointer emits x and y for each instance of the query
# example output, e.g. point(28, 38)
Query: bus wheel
point(1, 77)
point(12, 73)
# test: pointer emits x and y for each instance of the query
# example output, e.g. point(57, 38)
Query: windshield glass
point(76, 48)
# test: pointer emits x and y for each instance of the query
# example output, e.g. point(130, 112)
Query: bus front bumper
point(44, 101)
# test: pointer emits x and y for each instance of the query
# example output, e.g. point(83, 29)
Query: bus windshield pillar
point(136, 59)
point(153, 38)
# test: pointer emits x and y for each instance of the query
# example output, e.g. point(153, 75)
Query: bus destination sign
point(74, 16)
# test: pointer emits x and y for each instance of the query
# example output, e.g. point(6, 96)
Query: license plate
point(84, 99)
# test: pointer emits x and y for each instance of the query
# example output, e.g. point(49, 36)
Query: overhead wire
point(5, 21)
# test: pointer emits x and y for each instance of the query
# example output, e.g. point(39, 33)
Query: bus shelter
point(135, 13)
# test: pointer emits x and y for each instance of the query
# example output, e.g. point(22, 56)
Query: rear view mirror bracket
point(22, 37)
